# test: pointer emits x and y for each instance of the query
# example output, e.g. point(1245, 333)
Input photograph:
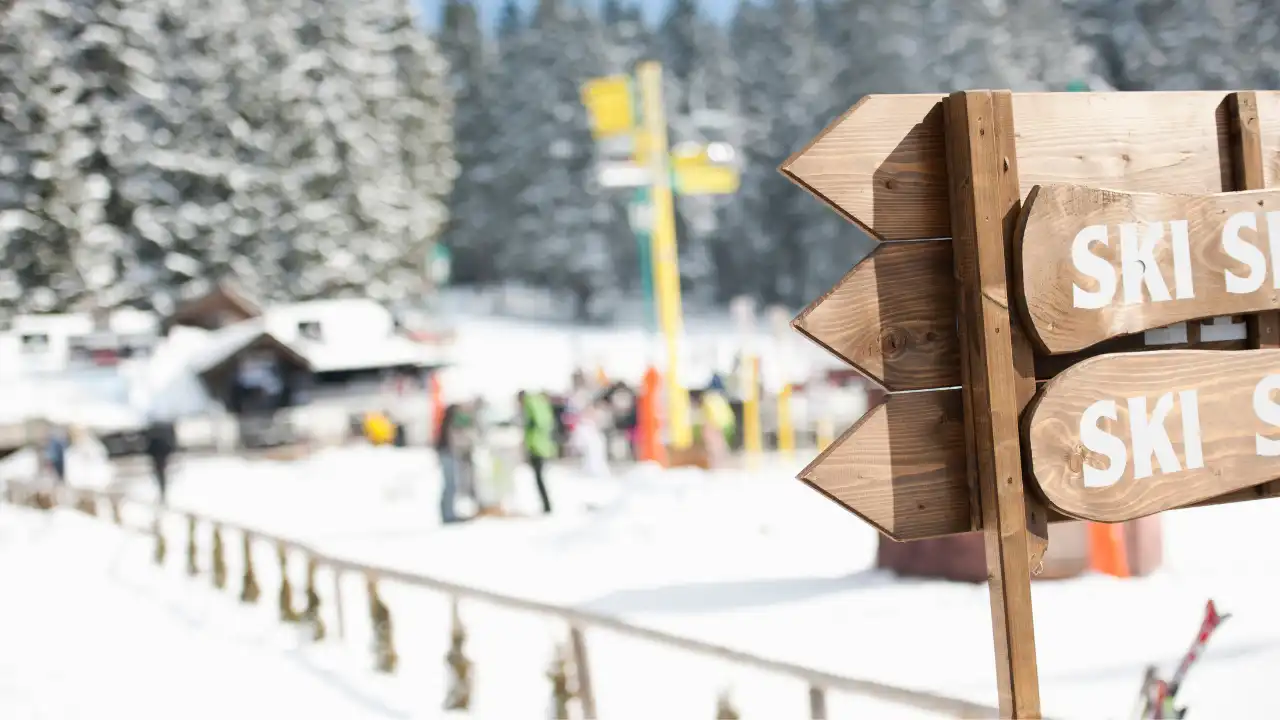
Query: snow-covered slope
point(754, 560)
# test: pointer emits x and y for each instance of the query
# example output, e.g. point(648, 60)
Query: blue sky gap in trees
point(720, 11)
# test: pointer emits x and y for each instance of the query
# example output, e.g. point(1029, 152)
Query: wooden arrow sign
point(893, 317)
point(1118, 437)
point(902, 467)
point(883, 166)
point(1096, 264)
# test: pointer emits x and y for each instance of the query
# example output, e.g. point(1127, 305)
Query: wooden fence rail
point(578, 621)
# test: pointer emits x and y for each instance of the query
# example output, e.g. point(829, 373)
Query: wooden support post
point(582, 673)
point(1249, 173)
point(817, 703)
point(999, 375)
point(338, 615)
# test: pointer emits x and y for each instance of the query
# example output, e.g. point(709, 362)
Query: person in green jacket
point(539, 438)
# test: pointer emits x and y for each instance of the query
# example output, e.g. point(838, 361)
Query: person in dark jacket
point(55, 453)
point(162, 440)
point(453, 450)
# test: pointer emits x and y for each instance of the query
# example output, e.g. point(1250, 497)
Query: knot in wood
point(1078, 456)
point(893, 341)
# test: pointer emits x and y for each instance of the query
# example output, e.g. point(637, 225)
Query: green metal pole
point(641, 208)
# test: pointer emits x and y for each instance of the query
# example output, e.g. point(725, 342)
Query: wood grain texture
point(901, 467)
point(984, 206)
point(1054, 216)
point(1249, 172)
point(880, 164)
point(910, 288)
point(892, 317)
point(1228, 427)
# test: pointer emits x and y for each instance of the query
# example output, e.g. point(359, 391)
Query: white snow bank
point(757, 561)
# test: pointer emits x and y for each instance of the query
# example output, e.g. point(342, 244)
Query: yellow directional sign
point(703, 179)
point(608, 102)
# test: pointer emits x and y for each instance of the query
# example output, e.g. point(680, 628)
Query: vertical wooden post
point(1248, 173)
point(338, 615)
point(817, 703)
point(998, 373)
point(582, 673)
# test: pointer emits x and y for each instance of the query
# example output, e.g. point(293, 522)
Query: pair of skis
point(1157, 698)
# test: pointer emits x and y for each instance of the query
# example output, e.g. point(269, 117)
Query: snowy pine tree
point(477, 206)
point(304, 147)
point(567, 230)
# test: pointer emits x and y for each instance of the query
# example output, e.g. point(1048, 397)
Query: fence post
point(582, 673)
point(287, 613)
point(725, 709)
point(312, 612)
point(337, 604)
point(559, 677)
point(458, 695)
point(157, 529)
point(817, 703)
point(219, 560)
point(116, 516)
point(384, 649)
point(87, 504)
point(193, 567)
point(249, 590)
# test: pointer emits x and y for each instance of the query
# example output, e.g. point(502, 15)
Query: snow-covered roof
point(226, 342)
point(355, 334)
point(387, 352)
point(66, 324)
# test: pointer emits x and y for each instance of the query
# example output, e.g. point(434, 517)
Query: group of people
point(467, 465)
point(75, 443)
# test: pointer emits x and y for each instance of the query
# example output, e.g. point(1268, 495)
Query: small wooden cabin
point(249, 370)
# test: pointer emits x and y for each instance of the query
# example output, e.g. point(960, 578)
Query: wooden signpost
point(1073, 238)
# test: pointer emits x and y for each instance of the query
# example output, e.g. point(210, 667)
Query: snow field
point(511, 650)
point(749, 560)
point(754, 561)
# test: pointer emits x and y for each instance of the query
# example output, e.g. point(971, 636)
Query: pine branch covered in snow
point(302, 146)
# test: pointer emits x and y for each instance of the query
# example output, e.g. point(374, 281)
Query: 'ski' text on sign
point(1122, 434)
point(1099, 264)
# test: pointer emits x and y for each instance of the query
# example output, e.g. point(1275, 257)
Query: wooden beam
point(1249, 166)
point(880, 164)
point(984, 203)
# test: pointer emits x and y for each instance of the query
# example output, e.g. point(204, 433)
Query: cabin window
point(310, 330)
point(34, 343)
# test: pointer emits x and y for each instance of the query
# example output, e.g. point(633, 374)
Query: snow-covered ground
point(753, 560)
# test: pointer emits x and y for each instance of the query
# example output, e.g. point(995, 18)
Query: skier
point(539, 441)
point(450, 446)
point(55, 453)
point(162, 440)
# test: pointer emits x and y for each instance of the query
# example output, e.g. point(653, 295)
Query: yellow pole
point(752, 442)
point(666, 267)
point(786, 431)
point(826, 433)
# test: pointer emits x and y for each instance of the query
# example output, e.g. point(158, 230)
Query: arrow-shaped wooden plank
point(882, 163)
point(901, 467)
point(1119, 437)
point(1097, 264)
point(892, 317)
